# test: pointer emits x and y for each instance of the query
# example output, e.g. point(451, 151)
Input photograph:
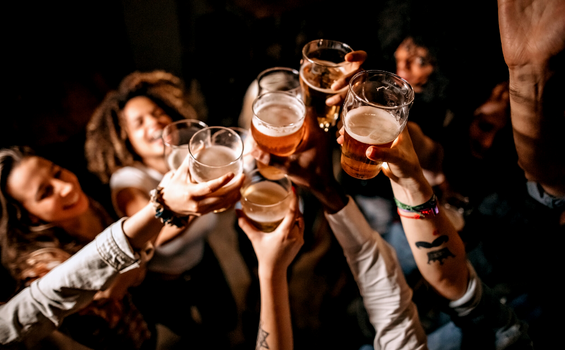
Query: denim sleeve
point(485, 321)
point(386, 295)
point(39, 309)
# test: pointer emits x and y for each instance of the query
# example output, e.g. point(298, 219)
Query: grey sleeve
point(39, 309)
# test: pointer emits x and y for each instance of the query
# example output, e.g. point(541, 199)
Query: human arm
point(275, 251)
point(372, 261)
point(436, 246)
point(38, 309)
point(130, 191)
point(533, 42)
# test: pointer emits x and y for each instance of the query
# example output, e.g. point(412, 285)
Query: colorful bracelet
point(163, 213)
point(422, 211)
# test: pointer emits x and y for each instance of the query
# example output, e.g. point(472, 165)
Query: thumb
point(245, 225)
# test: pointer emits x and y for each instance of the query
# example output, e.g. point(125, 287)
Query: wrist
point(412, 191)
point(331, 196)
point(272, 275)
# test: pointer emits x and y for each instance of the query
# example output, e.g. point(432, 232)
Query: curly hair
point(19, 235)
point(107, 146)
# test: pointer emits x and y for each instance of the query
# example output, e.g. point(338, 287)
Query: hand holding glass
point(215, 151)
point(323, 63)
point(265, 202)
point(375, 112)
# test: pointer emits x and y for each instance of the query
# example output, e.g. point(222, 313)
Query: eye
point(48, 191)
point(58, 172)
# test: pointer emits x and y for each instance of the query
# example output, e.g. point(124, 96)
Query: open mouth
point(156, 135)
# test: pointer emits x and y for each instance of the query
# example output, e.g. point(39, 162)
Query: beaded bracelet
point(163, 213)
point(422, 211)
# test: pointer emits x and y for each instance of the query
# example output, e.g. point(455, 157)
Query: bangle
point(163, 213)
point(421, 211)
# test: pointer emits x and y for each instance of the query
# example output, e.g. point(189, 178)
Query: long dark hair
point(20, 235)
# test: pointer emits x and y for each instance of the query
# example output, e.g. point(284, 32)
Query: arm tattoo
point(262, 339)
point(436, 243)
point(439, 255)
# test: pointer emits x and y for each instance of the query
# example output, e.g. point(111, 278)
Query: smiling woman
point(46, 218)
point(124, 148)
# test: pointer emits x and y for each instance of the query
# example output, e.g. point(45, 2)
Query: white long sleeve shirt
point(386, 295)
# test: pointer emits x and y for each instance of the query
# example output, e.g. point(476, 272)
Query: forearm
point(386, 295)
point(38, 309)
point(436, 246)
point(275, 327)
point(142, 227)
point(331, 195)
point(538, 121)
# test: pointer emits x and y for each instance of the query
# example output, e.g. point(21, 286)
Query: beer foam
point(371, 125)
point(265, 193)
point(284, 119)
point(216, 155)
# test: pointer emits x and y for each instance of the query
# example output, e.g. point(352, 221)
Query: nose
point(65, 188)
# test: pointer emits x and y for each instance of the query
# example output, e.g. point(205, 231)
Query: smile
point(74, 200)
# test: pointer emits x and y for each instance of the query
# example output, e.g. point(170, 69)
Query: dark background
point(61, 59)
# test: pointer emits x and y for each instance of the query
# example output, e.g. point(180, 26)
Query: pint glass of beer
point(265, 202)
point(375, 112)
point(277, 125)
point(176, 137)
point(215, 151)
point(323, 63)
point(279, 79)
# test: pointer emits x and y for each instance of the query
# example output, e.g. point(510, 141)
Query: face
point(144, 122)
point(491, 117)
point(47, 191)
point(413, 64)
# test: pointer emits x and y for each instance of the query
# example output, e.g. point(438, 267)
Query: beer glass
point(215, 151)
point(279, 79)
point(265, 202)
point(176, 137)
point(248, 144)
point(375, 112)
point(323, 63)
point(277, 125)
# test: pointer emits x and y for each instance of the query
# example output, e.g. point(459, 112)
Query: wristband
point(422, 211)
point(163, 213)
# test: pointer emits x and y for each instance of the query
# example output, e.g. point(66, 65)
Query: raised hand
point(531, 31)
point(185, 197)
point(276, 250)
point(357, 58)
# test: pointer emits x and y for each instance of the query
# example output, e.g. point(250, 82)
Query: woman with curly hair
point(124, 148)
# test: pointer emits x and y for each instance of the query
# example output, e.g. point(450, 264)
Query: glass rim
point(247, 183)
point(195, 121)
point(382, 72)
point(305, 56)
point(239, 157)
point(294, 97)
point(269, 70)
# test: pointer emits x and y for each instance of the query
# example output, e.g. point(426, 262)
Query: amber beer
point(315, 97)
point(323, 63)
point(364, 127)
point(277, 123)
point(265, 202)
